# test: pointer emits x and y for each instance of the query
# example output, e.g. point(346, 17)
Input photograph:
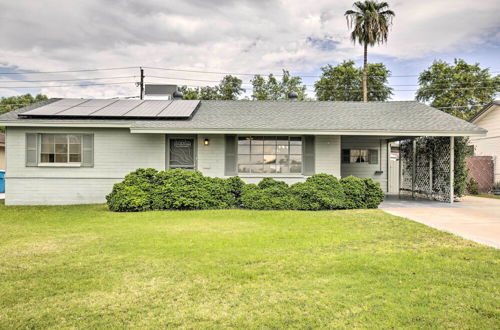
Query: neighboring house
point(65, 151)
point(489, 145)
point(2, 151)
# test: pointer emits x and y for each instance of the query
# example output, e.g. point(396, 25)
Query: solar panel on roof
point(150, 108)
point(94, 108)
point(117, 109)
point(56, 107)
point(86, 108)
point(179, 109)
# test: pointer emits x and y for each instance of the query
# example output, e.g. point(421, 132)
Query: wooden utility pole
point(141, 84)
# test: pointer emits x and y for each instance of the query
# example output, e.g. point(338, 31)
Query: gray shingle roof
point(484, 109)
point(397, 116)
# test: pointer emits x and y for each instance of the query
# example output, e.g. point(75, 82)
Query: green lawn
point(85, 267)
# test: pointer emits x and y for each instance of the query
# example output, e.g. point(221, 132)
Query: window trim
point(280, 175)
point(59, 164)
point(195, 150)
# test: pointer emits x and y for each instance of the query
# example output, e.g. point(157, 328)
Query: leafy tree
point(370, 22)
point(344, 83)
point(15, 102)
point(228, 89)
point(273, 89)
point(460, 89)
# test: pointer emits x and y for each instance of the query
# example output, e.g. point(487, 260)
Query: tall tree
point(460, 89)
point(228, 89)
point(15, 102)
point(370, 23)
point(344, 83)
point(274, 89)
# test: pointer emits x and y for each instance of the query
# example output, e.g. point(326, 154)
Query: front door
point(181, 153)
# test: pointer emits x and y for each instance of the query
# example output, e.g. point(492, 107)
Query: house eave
point(305, 132)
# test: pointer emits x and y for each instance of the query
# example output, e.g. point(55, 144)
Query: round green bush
point(319, 192)
point(373, 194)
point(190, 190)
point(124, 198)
point(355, 191)
point(269, 194)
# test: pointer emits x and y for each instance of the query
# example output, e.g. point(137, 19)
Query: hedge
point(149, 189)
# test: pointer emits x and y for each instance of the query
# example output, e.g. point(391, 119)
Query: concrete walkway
point(473, 218)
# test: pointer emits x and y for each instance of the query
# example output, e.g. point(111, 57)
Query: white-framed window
point(269, 154)
point(60, 148)
point(353, 156)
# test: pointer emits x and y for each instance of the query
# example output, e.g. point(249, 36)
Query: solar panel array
point(94, 108)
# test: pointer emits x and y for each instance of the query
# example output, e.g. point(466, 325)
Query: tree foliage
point(11, 103)
point(460, 89)
point(15, 102)
point(274, 89)
point(344, 83)
point(228, 89)
point(370, 23)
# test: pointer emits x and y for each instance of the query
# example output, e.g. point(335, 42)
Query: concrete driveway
point(473, 218)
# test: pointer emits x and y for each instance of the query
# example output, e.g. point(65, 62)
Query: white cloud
point(224, 35)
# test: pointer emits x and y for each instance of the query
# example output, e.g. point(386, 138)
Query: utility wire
point(78, 85)
point(69, 71)
point(53, 80)
point(260, 74)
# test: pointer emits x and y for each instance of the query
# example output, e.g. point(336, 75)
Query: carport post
point(452, 167)
point(413, 167)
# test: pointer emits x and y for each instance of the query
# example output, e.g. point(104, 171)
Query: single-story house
point(65, 151)
point(488, 145)
point(2, 151)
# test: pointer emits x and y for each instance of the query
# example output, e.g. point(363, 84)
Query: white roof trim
point(302, 132)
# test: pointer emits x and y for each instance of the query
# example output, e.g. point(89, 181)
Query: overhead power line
point(53, 80)
point(265, 74)
point(69, 71)
point(78, 85)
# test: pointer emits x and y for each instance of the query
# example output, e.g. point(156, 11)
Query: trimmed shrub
point(172, 189)
point(354, 189)
point(149, 189)
point(361, 193)
point(128, 199)
point(319, 192)
point(373, 194)
point(269, 194)
point(235, 186)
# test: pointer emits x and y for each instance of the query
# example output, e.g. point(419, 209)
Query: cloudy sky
point(254, 36)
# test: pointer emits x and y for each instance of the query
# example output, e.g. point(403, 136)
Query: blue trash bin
point(2, 182)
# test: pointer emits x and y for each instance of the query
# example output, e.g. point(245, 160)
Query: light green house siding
point(118, 152)
point(365, 170)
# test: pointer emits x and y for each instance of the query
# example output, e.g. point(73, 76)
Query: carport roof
point(313, 117)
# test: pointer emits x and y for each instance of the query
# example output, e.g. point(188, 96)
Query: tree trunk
point(365, 73)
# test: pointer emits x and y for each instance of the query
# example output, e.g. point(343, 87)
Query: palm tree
point(370, 22)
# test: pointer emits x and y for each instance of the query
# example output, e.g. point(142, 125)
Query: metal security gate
point(426, 168)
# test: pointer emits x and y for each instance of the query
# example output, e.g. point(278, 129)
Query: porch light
point(206, 142)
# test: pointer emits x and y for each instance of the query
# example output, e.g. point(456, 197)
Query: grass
point(85, 267)
point(487, 196)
